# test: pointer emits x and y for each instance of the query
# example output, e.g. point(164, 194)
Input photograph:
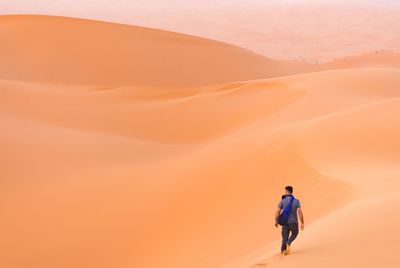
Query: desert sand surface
point(65, 50)
point(121, 165)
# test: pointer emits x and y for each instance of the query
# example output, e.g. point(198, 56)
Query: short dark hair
point(289, 189)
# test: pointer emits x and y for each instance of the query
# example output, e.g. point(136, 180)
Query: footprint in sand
point(260, 265)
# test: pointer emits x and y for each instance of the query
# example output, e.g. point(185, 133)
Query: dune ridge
point(54, 49)
point(81, 51)
point(103, 171)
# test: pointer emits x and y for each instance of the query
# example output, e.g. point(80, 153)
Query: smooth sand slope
point(69, 50)
point(77, 51)
point(176, 177)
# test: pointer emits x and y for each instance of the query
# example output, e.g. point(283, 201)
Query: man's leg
point(294, 228)
point(285, 235)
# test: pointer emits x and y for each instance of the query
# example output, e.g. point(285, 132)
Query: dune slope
point(69, 50)
point(100, 188)
point(358, 146)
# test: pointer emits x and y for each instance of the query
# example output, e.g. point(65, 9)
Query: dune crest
point(79, 51)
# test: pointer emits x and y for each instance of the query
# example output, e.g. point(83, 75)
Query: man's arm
point(278, 212)
point(301, 218)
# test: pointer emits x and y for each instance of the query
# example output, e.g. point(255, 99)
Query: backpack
point(284, 216)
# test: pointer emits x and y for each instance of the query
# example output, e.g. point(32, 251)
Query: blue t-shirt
point(293, 212)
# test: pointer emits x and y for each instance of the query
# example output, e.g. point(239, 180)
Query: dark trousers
point(292, 228)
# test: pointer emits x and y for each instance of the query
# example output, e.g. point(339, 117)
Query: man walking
point(292, 226)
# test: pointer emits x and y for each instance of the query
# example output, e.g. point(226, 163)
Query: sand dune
point(355, 235)
point(377, 59)
point(78, 51)
point(103, 169)
point(52, 49)
point(82, 177)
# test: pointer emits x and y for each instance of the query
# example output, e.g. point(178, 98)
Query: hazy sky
point(311, 29)
point(123, 10)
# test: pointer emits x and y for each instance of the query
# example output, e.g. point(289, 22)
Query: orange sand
point(77, 51)
point(130, 147)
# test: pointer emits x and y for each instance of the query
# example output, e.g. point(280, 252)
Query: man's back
point(295, 205)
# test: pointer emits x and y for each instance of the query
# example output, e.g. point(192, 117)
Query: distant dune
point(78, 51)
point(377, 59)
point(123, 147)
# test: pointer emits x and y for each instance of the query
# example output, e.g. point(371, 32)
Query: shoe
point(287, 250)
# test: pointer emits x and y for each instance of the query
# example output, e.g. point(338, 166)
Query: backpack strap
point(289, 207)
